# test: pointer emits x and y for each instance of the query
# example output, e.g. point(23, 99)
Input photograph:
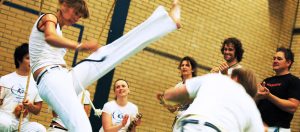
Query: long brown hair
point(80, 6)
point(247, 79)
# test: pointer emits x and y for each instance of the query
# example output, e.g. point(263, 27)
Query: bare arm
point(289, 105)
point(54, 114)
point(107, 123)
point(48, 25)
point(34, 108)
point(86, 108)
point(179, 95)
point(52, 38)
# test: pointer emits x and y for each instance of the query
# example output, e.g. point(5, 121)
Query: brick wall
point(295, 46)
point(296, 71)
point(260, 25)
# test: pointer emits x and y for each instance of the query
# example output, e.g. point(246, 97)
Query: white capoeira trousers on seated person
point(57, 85)
point(196, 123)
point(52, 129)
point(278, 129)
point(8, 123)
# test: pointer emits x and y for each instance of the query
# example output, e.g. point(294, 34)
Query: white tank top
point(41, 53)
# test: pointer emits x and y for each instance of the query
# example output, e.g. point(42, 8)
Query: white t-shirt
point(14, 92)
point(118, 112)
point(219, 98)
point(180, 112)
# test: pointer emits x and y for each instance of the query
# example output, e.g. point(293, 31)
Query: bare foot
point(175, 13)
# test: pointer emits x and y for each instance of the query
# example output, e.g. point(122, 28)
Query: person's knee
point(5, 124)
point(37, 127)
point(40, 127)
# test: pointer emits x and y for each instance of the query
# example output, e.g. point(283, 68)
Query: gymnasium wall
point(261, 25)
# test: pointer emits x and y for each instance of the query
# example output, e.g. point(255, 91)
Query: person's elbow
point(50, 38)
point(37, 108)
point(293, 106)
point(36, 112)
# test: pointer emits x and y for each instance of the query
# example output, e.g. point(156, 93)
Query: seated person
point(12, 92)
point(118, 113)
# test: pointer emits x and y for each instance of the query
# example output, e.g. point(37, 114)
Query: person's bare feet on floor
point(175, 13)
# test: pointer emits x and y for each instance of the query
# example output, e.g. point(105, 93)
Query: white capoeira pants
point(195, 123)
point(8, 123)
point(52, 129)
point(58, 87)
point(278, 129)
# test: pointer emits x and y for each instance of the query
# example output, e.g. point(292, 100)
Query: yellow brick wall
point(296, 68)
point(296, 71)
point(262, 25)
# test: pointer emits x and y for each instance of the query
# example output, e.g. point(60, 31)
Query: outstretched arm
point(178, 95)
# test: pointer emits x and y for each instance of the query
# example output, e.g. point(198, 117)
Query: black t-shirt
point(284, 87)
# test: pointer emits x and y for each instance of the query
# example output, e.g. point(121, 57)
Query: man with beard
point(232, 51)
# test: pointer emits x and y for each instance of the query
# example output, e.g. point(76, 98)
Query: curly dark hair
point(239, 51)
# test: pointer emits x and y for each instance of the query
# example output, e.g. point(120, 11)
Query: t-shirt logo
point(273, 84)
point(18, 91)
point(117, 116)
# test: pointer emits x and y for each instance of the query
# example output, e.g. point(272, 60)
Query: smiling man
point(278, 97)
point(232, 51)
